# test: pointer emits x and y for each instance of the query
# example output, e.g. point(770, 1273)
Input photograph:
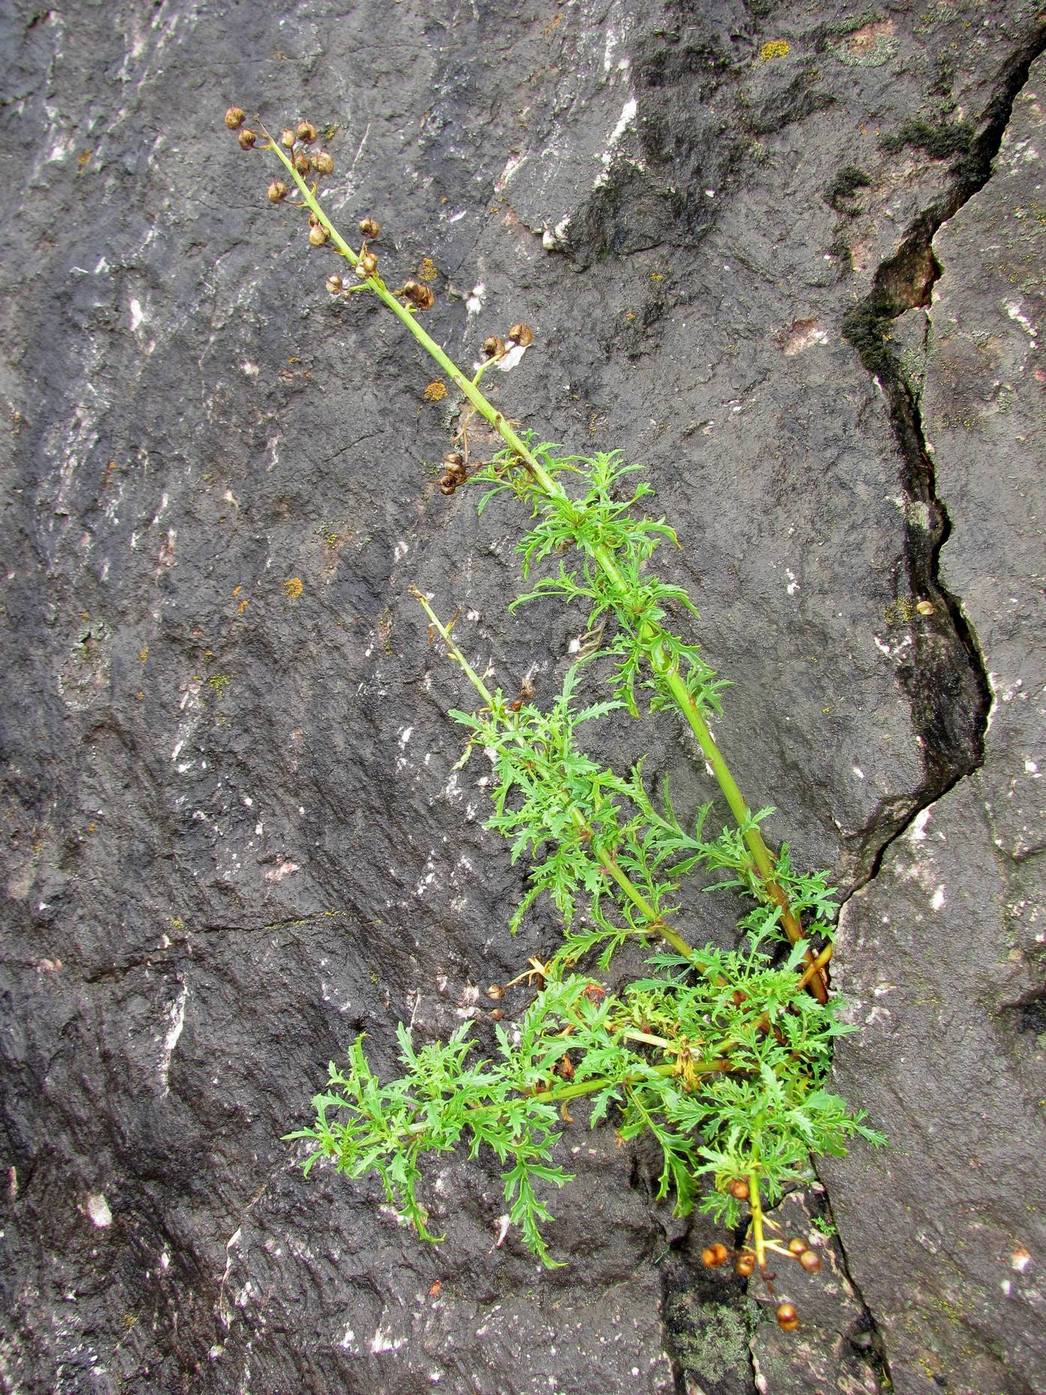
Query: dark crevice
point(865, 1337)
point(944, 673)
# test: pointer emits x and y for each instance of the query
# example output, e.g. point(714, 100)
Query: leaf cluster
point(724, 1071)
point(611, 579)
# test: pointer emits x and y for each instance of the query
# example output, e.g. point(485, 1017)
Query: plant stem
point(646, 910)
point(756, 1208)
point(649, 634)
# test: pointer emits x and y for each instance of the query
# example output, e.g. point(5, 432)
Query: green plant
point(718, 1056)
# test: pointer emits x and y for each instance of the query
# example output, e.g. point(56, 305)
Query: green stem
point(756, 1208)
point(623, 880)
point(452, 649)
point(650, 634)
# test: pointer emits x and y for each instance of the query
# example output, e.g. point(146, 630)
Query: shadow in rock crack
point(943, 671)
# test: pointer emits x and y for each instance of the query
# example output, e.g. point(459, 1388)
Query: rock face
point(944, 948)
point(233, 837)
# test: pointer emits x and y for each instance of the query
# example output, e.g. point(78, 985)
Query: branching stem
point(650, 634)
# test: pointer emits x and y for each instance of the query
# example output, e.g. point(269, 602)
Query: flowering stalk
point(650, 634)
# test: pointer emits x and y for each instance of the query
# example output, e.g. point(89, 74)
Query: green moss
point(839, 193)
point(940, 139)
point(218, 682)
point(711, 1339)
point(866, 327)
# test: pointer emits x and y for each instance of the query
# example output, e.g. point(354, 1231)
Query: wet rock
point(233, 835)
point(943, 950)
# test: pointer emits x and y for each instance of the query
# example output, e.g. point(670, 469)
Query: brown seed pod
point(738, 1188)
point(419, 295)
point(306, 131)
point(810, 1260)
point(447, 484)
point(454, 460)
point(317, 236)
point(787, 1317)
point(322, 163)
point(522, 334)
point(235, 117)
point(744, 1264)
point(493, 347)
point(335, 285)
point(287, 138)
point(496, 992)
point(370, 227)
point(715, 1255)
point(925, 607)
point(246, 139)
point(302, 163)
point(796, 1246)
point(277, 190)
point(367, 265)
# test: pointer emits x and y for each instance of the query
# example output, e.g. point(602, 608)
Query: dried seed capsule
point(277, 190)
point(453, 459)
point(810, 1260)
point(715, 1255)
point(369, 227)
point(335, 285)
point(738, 1188)
point(787, 1317)
point(367, 265)
point(419, 295)
point(287, 138)
point(306, 131)
point(496, 992)
point(317, 236)
point(925, 607)
point(744, 1264)
point(447, 484)
point(522, 334)
point(302, 163)
point(322, 162)
point(235, 117)
point(246, 139)
point(796, 1246)
point(493, 347)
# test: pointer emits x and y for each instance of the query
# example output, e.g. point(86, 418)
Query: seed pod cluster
point(453, 472)
point(787, 1317)
point(419, 295)
point(367, 265)
point(521, 334)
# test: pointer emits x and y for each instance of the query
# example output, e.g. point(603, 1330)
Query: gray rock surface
point(944, 948)
point(232, 833)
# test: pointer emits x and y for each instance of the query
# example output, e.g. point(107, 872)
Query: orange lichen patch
point(435, 391)
point(775, 48)
point(293, 587)
point(802, 335)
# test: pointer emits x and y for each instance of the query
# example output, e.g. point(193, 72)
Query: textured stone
point(943, 950)
point(232, 834)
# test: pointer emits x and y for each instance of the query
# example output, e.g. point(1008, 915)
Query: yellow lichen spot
point(143, 654)
point(293, 587)
point(427, 270)
point(776, 48)
point(435, 391)
point(242, 604)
